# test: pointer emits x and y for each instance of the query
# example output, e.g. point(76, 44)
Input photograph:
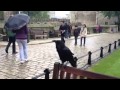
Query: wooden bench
point(66, 72)
point(38, 34)
point(57, 33)
point(3, 37)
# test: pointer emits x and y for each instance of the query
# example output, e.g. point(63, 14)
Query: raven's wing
point(65, 54)
point(68, 50)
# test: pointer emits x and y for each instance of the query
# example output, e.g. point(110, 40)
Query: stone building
point(91, 18)
point(84, 17)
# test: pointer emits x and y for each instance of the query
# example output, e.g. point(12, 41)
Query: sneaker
point(6, 51)
point(22, 62)
point(15, 53)
point(26, 60)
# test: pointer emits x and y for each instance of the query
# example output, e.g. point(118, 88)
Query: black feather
point(64, 53)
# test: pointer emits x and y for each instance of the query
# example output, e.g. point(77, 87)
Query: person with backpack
point(76, 33)
point(11, 40)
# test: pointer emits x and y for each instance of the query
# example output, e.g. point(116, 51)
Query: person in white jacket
point(83, 34)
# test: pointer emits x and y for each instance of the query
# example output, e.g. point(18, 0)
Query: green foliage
point(37, 14)
point(110, 14)
point(1, 15)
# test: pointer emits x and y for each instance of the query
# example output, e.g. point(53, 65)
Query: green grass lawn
point(109, 65)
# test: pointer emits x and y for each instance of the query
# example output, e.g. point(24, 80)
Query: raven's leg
point(67, 62)
point(63, 63)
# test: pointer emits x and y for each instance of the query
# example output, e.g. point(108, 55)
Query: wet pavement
point(43, 56)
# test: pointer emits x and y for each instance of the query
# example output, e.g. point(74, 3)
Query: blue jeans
point(66, 34)
point(22, 43)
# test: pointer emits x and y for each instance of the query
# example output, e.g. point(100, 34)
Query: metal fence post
point(101, 52)
point(89, 57)
point(115, 44)
point(109, 50)
point(118, 42)
point(47, 72)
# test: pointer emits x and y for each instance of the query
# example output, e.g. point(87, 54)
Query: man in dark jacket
point(76, 33)
point(62, 30)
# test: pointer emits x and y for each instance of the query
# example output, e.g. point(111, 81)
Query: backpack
point(10, 33)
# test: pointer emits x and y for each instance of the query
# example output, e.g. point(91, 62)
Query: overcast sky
point(61, 14)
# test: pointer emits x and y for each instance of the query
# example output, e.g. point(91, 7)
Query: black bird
point(65, 54)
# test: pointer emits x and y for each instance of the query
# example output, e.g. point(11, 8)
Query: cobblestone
point(43, 56)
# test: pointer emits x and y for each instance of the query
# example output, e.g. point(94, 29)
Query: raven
point(64, 53)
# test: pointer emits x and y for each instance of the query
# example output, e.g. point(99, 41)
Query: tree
point(1, 15)
point(37, 14)
point(110, 14)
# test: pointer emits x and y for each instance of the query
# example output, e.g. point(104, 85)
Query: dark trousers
point(69, 34)
point(76, 40)
point(84, 40)
point(62, 37)
point(11, 41)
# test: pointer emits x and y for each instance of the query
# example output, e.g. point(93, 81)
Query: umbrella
point(17, 21)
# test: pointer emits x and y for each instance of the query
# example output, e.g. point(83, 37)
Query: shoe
point(15, 53)
point(75, 44)
point(26, 60)
point(6, 51)
point(22, 62)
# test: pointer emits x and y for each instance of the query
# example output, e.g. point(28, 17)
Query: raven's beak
point(75, 58)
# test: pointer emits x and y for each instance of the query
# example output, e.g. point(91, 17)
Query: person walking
point(66, 30)
point(12, 40)
point(76, 33)
point(83, 34)
point(22, 39)
point(62, 30)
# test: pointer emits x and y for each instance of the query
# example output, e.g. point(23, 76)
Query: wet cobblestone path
point(43, 56)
